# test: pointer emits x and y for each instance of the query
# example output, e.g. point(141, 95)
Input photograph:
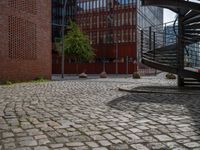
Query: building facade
point(25, 45)
point(112, 27)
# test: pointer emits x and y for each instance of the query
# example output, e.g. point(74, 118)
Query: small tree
point(76, 45)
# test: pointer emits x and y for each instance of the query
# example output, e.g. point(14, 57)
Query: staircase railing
point(192, 55)
point(156, 37)
point(158, 44)
point(176, 48)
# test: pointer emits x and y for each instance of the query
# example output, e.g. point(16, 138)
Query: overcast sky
point(170, 16)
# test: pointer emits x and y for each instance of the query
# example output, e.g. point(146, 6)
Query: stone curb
point(155, 92)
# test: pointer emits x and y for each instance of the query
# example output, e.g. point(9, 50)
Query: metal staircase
point(174, 47)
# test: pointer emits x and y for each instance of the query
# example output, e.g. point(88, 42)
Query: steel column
point(63, 34)
point(180, 49)
point(141, 43)
point(154, 46)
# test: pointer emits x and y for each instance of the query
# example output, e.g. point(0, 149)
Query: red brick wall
point(25, 39)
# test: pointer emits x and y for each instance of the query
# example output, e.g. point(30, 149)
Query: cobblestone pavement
point(93, 114)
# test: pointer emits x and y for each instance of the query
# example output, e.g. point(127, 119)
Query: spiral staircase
point(181, 53)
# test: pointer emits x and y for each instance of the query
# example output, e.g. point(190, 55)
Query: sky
point(170, 16)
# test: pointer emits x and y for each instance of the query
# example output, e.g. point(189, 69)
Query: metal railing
point(155, 40)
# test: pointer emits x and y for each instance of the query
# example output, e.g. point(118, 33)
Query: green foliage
point(7, 82)
point(40, 79)
point(76, 44)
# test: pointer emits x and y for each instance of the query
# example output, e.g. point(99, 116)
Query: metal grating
point(24, 5)
point(22, 39)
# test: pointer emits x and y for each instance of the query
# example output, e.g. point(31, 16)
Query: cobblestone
point(92, 144)
point(93, 114)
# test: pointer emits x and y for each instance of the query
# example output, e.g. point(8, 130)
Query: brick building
point(25, 44)
point(112, 27)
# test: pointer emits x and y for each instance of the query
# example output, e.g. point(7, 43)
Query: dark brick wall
point(25, 39)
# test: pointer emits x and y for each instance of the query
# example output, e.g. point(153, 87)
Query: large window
point(107, 21)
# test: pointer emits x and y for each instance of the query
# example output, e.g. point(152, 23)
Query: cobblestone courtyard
point(93, 114)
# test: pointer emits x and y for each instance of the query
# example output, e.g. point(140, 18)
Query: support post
point(127, 65)
point(142, 40)
point(150, 31)
point(154, 46)
point(116, 58)
point(63, 34)
point(180, 49)
point(165, 35)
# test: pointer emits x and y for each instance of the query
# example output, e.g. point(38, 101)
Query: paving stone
point(17, 130)
point(21, 134)
point(43, 141)
point(92, 144)
point(149, 139)
point(108, 136)
point(29, 138)
point(157, 146)
point(163, 138)
point(94, 114)
point(100, 148)
point(9, 145)
point(7, 134)
point(40, 137)
point(93, 133)
point(105, 143)
point(192, 145)
point(8, 140)
point(173, 145)
point(80, 138)
point(56, 145)
point(74, 144)
point(177, 136)
point(116, 141)
point(64, 148)
point(61, 140)
point(135, 130)
point(23, 148)
point(133, 136)
point(97, 137)
point(139, 147)
point(195, 137)
point(28, 143)
point(119, 147)
point(41, 148)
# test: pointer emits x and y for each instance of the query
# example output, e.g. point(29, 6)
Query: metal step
point(191, 80)
point(167, 48)
point(193, 26)
point(163, 59)
point(160, 66)
point(192, 83)
point(195, 19)
point(174, 5)
point(161, 54)
point(190, 14)
point(192, 32)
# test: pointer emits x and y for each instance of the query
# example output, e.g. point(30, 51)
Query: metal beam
point(173, 4)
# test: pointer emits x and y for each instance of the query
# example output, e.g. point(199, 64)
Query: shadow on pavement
point(177, 109)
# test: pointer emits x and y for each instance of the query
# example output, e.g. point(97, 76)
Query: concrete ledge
point(174, 91)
